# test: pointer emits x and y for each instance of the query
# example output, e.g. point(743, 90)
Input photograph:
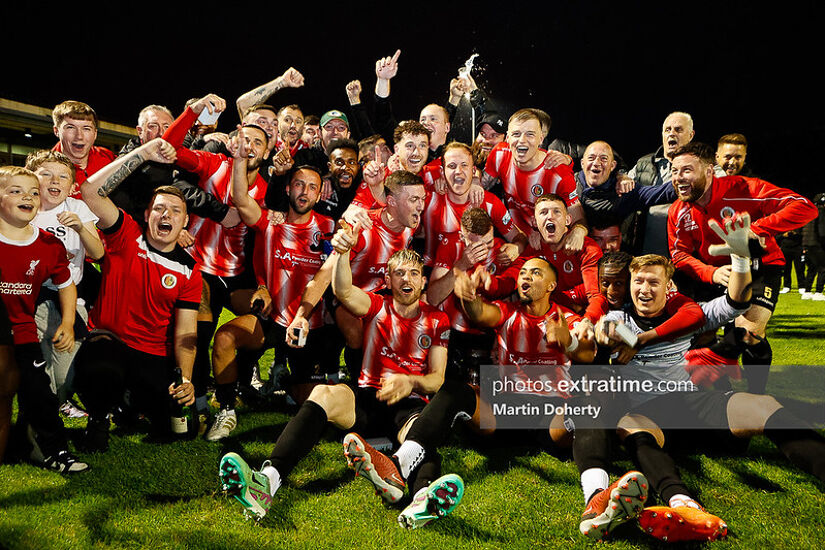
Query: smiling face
point(56, 183)
point(536, 281)
point(343, 166)
point(256, 142)
point(434, 118)
point(731, 157)
point(406, 281)
point(552, 220)
point(648, 290)
point(613, 282)
point(458, 170)
point(152, 125)
point(76, 138)
point(165, 218)
point(524, 137)
point(690, 177)
point(597, 163)
point(265, 118)
point(488, 138)
point(303, 189)
point(334, 129)
point(412, 150)
point(19, 200)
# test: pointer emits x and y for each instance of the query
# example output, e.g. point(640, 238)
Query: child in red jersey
point(31, 257)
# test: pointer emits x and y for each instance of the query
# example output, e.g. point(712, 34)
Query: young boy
point(30, 257)
point(71, 221)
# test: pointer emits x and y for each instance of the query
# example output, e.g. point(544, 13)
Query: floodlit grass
point(141, 495)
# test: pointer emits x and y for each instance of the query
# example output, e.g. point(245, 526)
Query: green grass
point(141, 495)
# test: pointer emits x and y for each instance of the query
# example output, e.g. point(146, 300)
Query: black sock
point(591, 449)
point(756, 361)
point(433, 424)
point(299, 437)
point(657, 466)
point(225, 394)
point(804, 447)
point(427, 472)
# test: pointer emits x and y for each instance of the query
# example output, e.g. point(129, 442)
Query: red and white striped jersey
point(141, 289)
point(396, 345)
point(371, 253)
point(521, 189)
point(286, 258)
point(27, 265)
point(522, 343)
point(219, 250)
point(442, 217)
point(447, 255)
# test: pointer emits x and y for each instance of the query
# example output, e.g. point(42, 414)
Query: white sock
point(682, 500)
point(274, 478)
point(593, 479)
point(409, 456)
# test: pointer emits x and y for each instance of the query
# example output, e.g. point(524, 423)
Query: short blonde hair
point(73, 109)
point(36, 159)
point(652, 260)
point(404, 256)
point(9, 172)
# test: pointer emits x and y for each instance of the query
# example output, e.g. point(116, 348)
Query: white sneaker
point(802, 291)
point(784, 290)
point(225, 422)
point(69, 410)
point(807, 296)
point(818, 297)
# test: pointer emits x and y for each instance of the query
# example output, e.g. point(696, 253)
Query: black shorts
point(309, 364)
point(688, 410)
point(376, 418)
point(466, 353)
point(764, 290)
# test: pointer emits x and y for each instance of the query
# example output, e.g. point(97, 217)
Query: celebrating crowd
point(419, 260)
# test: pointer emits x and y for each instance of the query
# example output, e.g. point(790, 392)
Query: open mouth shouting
point(164, 229)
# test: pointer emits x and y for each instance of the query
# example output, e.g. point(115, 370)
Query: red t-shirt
point(772, 210)
point(141, 289)
point(448, 253)
point(26, 266)
point(521, 189)
point(394, 344)
point(98, 158)
point(287, 256)
point(522, 342)
point(371, 253)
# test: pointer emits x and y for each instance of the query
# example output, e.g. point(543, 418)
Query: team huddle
point(419, 260)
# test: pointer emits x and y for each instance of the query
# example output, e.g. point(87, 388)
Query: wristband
point(573, 346)
point(739, 264)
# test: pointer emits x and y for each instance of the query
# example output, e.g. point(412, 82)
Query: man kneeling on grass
point(405, 355)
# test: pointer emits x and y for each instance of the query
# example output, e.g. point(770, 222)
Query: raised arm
point(481, 313)
point(290, 79)
point(96, 189)
point(248, 209)
point(352, 297)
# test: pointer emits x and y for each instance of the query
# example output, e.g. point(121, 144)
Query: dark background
point(602, 70)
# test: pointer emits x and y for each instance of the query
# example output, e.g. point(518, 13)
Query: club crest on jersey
point(727, 212)
point(424, 341)
point(169, 281)
point(537, 190)
point(567, 266)
point(32, 267)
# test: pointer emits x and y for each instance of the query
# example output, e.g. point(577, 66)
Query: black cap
point(496, 121)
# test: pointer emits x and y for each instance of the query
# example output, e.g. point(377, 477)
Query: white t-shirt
point(76, 252)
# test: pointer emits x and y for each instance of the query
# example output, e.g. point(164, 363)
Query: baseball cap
point(495, 120)
point(332, 115)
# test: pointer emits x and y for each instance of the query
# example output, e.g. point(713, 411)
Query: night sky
point(602, 70)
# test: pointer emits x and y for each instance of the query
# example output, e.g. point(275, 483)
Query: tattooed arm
point(290, 79)
point(97, 188)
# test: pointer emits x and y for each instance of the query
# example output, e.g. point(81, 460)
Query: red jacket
point(772, 209)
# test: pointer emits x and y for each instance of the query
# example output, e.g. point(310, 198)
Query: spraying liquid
point(464, 72)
